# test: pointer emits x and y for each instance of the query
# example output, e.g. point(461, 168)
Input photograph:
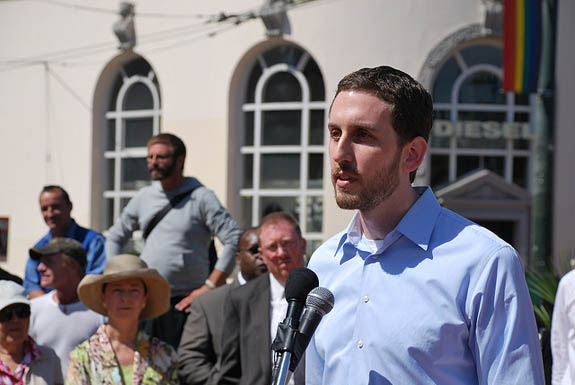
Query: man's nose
point(41, 266)
point(340, 151)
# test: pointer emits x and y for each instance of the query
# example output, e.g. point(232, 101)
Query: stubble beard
point(373, 193)
point(162, 172)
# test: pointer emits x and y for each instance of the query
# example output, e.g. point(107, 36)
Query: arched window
point(133, 116)
point(282, 148)
point(477, 125)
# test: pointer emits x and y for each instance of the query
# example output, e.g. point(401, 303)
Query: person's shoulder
point(43, 300)
point(213, 295)
point(456, 228)
point(568, 281)
point(255, 285)
point(326, 251)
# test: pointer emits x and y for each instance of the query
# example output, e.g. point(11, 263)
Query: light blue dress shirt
point(441, 301)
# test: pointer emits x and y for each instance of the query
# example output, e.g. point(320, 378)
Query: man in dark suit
point(253, 311)
point(200, 345)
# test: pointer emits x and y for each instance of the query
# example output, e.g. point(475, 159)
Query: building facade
point(247, 85)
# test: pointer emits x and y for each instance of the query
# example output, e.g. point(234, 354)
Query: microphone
point(319, 302)
point(298, 284)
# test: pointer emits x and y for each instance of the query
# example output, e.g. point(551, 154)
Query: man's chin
point(347, 201)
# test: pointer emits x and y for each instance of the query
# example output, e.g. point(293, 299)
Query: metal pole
point(542, 176)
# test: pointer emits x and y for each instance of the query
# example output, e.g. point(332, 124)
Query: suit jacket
point(200, 345)
point(246, 340)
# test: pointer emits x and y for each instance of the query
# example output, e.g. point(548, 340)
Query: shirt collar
point(69, 233)
point(416, 225)
point(241, 279)
point(277, 291)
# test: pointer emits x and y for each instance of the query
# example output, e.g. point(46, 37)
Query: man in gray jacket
point(200, 345)
point(176, 243)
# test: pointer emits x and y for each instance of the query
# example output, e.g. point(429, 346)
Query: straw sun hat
point(126, 266)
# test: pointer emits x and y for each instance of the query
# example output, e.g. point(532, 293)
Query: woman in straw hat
point(118, 353)
point(21, 360)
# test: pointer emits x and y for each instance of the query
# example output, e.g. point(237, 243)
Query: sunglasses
point(254, 249)
point(19, 311)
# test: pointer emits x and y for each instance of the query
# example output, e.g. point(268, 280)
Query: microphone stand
point(281, 370)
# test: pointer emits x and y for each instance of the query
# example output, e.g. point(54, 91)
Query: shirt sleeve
point(223, 226)
point(230, 365)
point(122, 230)
point(96, 255)
point(195, 352)
point(559, 336)
point(31, 276)
point(503, 334)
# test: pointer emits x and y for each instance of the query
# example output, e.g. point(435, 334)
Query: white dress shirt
point(563, 332)
point(278, 309)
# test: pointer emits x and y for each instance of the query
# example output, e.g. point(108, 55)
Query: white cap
point(11, 293)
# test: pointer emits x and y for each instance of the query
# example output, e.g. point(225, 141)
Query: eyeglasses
point(20, 312)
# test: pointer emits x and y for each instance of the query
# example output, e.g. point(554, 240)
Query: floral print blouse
point(31, 353)
point(93, 362)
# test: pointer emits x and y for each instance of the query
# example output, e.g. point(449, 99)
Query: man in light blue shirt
point(422, 295)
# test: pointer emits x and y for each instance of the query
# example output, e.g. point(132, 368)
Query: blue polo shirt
point(92, 241)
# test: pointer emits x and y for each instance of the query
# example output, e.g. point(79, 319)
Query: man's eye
point(334, 134)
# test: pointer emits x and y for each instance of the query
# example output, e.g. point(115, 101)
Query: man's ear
point(414, 152)
point(180, 160)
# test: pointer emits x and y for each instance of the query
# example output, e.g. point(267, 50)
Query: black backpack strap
point(162, 213)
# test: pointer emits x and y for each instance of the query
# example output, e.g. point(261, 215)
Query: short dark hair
point(55, 188)
point(412, 107)
point(171, 140)
point(278, 216)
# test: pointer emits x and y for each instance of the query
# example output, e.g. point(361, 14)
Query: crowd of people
point(422, 295)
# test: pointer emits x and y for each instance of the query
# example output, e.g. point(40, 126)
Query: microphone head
point(320, 299)
point(299, 283)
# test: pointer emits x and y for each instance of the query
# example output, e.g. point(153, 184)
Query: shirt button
point(360, 344)
point(366, 299)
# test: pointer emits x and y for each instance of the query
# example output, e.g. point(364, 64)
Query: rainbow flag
point(521, 45)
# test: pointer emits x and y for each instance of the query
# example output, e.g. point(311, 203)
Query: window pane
point(249, 128)
point(279, 171)
point(466, 164)
point(248, 181)
point(316, 126)
point(495, 164)
point(522, 99)
point(523, 143)
point(439, 136)
point(520, 171)
point(111, 135)
point(138, 97)
point(311, 246)
point(252, 82)
point(134, 173)
point(482, 54)
point(444, 81)
point(282, 87)
point(314, 214)
point(282, 54)
point(439, 170)
point(109, 212)
point(110, 174)
point(138, 131)
point(246, 213)
point(482, 87)
point(315, 171)
point(289, 205)
point(471, 130)
point(281, 128)
point(315, 80)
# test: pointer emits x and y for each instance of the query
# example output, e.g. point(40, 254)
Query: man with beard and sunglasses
point(177, 242)
point(422, 295)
